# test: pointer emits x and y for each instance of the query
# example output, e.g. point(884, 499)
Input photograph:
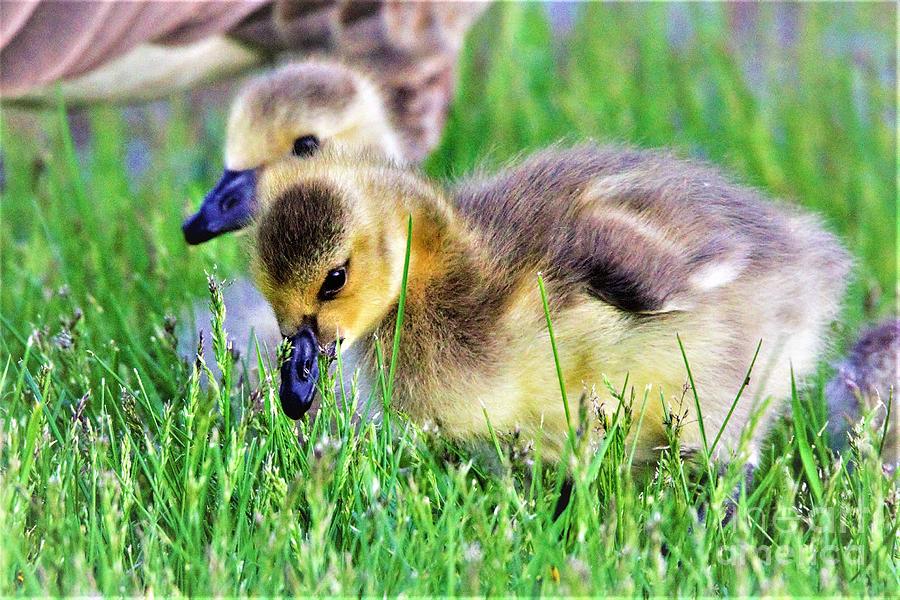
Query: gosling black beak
point(229, 206)
point(299, 374)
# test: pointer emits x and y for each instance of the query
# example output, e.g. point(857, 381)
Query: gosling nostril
point(228, 203)
point(299, 374)
point(305, 370)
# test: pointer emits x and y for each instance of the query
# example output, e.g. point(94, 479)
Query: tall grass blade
point(401, 307)
point(803, 447)
point(559, 372)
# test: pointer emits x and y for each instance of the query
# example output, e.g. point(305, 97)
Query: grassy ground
point(120, 474)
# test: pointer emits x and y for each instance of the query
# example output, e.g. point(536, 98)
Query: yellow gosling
point(635, 248)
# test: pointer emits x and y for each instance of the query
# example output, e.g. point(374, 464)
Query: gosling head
point(296, 110)
point(328, 253)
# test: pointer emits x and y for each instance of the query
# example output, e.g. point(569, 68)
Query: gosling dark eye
point(333, 283)
point(306, 145)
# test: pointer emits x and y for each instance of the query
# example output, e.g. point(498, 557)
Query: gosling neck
point(440, 247)
point(452, 305)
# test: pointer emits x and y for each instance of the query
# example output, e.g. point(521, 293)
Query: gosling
point(635, 248)
point(869, 380)
point(294, 110)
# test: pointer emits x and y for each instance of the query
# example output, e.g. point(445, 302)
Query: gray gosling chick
point(868, 380)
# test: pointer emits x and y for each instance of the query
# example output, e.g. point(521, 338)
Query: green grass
point(121, 474)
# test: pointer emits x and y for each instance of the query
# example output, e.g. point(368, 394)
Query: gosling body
point(868, 379)
point(635, 248)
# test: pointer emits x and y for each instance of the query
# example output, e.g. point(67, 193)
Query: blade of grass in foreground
point(707, 458)
point(401, 306)
point(744, 385)
point(803, 447)
point(696, 397)
point(559, 373)
point(887, 421)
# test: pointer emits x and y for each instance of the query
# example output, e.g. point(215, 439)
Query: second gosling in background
point(294, 110)
point(635, 247)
